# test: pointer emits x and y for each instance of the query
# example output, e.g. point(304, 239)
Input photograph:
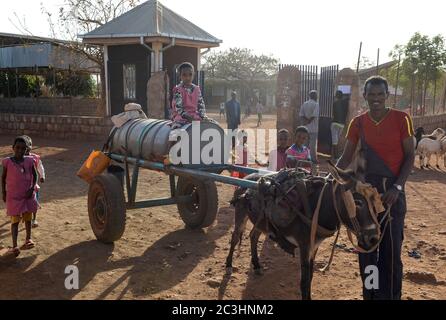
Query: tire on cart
point(202, 210)
point(106, 208)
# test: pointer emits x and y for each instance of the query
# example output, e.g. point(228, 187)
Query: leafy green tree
point(27, 85)
point(423, 62)
point(72, 84)
point(241, 66)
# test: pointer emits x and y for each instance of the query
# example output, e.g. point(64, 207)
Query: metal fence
point(323, 82)
point(327, 90)
point(309, 81)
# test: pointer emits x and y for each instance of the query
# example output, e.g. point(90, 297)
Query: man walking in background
point(309, 117)
point(233, 114)
point(259, 109)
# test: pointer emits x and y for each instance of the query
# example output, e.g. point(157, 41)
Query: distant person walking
point(259, 109)
point(233, 112)
point(222, 110)
point(309, 117)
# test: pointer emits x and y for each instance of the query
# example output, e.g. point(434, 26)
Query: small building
point(145, 40)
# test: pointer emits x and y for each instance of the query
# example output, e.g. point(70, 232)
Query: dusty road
point(157, 258)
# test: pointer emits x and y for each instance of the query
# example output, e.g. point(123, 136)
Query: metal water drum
point(148, 139)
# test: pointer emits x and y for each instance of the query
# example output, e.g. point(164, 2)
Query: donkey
point(326, 198)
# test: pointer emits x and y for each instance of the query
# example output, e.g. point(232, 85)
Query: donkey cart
point(144, 143)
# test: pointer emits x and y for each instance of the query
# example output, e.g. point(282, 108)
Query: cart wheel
point(202, 210)
point(106, 208)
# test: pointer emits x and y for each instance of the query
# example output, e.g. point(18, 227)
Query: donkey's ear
point(344, 177)
point(334, 172)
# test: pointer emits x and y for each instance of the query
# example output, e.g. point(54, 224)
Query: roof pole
point(359, 57)
point(397, 78)
point(377, 64)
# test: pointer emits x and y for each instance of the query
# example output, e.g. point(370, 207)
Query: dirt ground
point(158, 258)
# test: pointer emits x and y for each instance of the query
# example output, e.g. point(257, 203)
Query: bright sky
point(322, 32)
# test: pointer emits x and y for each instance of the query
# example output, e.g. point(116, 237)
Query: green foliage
point(423, 62)
point(240, 64)
point(243, 69)
point(71, 84)
point(27, 85)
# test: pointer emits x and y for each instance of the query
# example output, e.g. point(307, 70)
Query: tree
point(423, 62)
point(240, 65)
point(27, 85)
point(71, 84)
point(77, 17)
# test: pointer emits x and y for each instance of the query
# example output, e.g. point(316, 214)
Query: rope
point(315, 223)
point(359, 249)
point(391, 243)
point(330, 260)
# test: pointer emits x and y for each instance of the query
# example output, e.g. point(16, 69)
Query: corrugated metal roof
point(12, 39)
point(44, 55)
point(25, 56)
point(151, 19)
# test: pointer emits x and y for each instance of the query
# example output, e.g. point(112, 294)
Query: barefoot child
point(298, 151)
point(187, 103)
point(19, 181)
point(41, 177)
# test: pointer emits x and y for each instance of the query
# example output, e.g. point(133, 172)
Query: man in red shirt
point(386, 137)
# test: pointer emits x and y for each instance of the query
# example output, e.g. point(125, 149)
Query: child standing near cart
point(19, 179)
point(41, 175)
point(299, 153)
point(277, 158)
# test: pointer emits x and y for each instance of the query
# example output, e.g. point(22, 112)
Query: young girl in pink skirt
point(19, 180)
point(41, 176)
point(187, 103)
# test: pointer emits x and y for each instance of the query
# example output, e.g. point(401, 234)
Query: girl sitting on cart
point(187, 103)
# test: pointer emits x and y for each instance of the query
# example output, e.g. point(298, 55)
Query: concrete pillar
point(157, 95)
point(287, 99)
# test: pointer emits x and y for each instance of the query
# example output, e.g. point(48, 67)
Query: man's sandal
point(28, 245)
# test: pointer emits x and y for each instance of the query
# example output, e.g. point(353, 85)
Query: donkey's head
point(358, 205)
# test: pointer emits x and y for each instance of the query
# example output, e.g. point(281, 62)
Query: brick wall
point(430, 123)
point(58, 127)
point(50, 106)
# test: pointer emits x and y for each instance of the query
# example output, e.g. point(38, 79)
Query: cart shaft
point(195, 173)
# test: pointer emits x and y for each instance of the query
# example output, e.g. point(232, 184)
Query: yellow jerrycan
point(96, 163)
